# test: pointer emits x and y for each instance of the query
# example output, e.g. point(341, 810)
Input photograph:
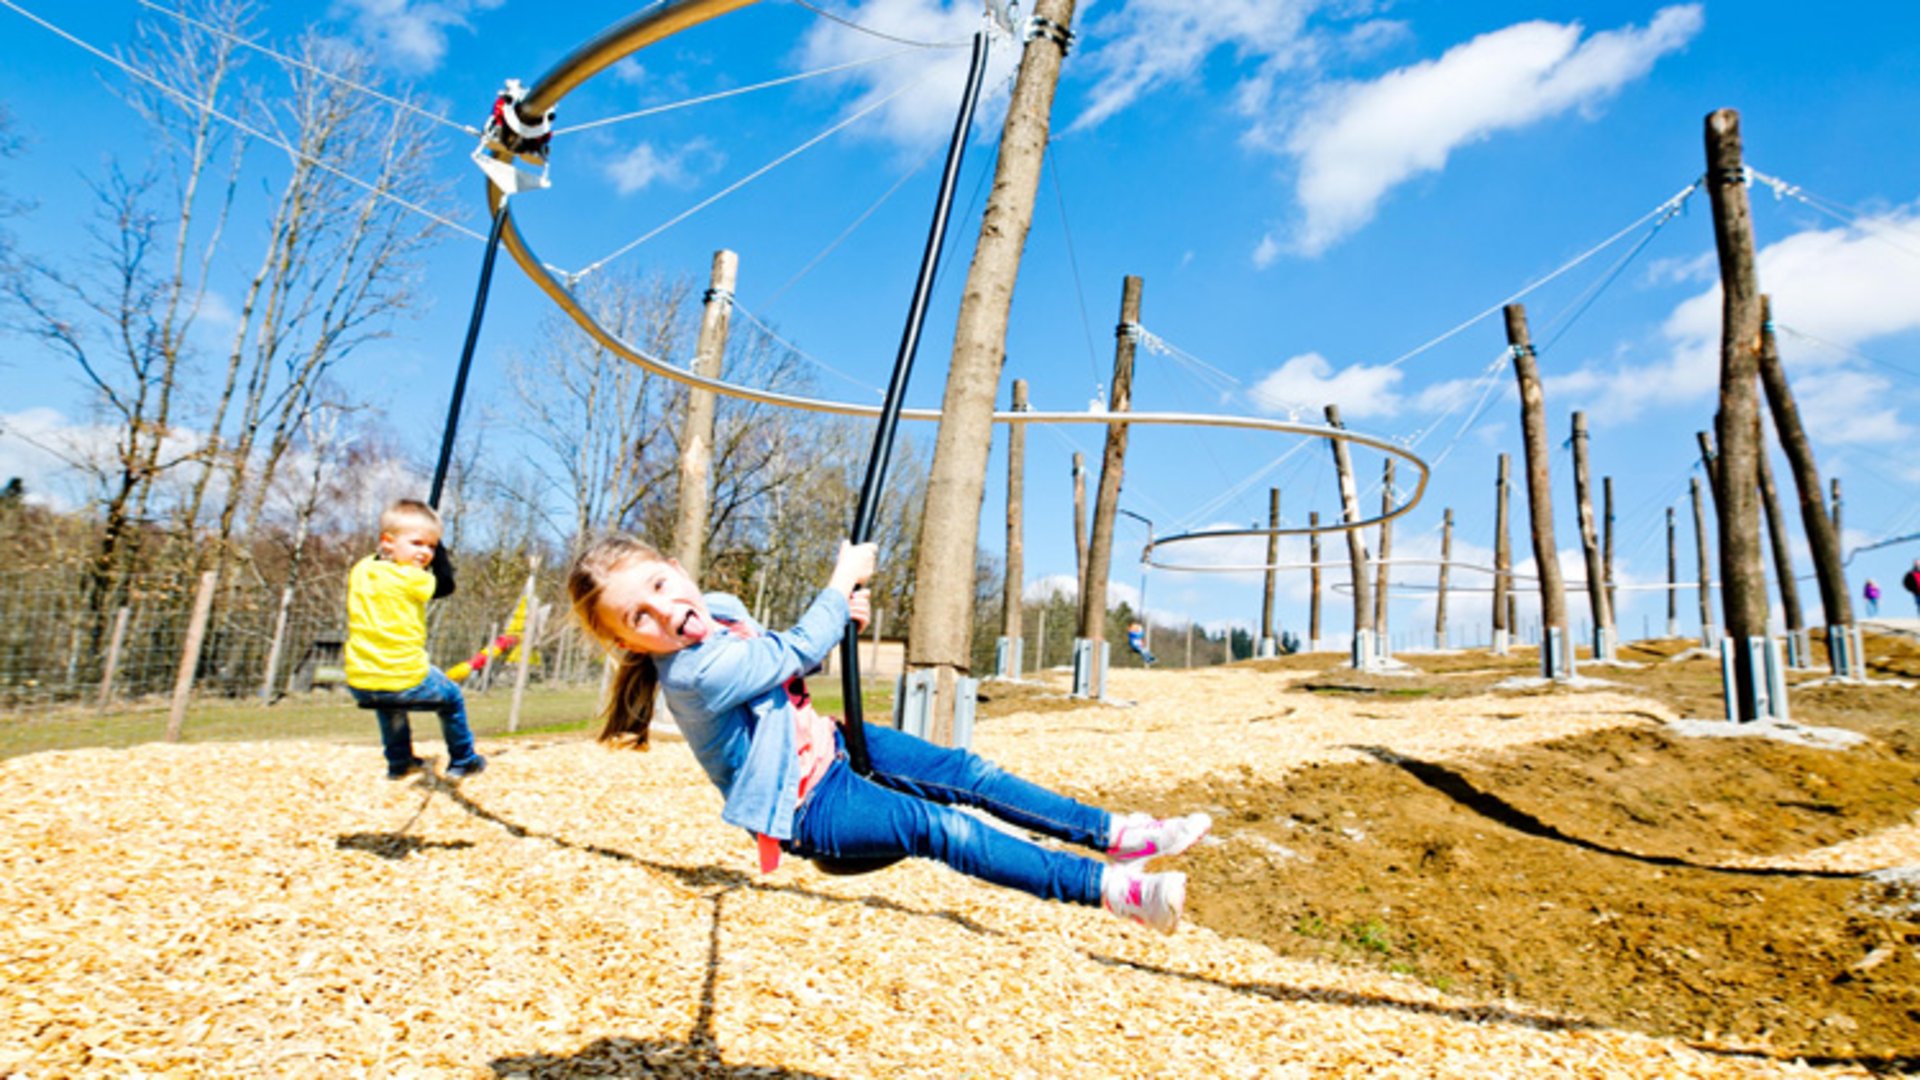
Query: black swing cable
point(868, 507)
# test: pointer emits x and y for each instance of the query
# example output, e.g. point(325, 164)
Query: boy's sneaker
point(1152, 900)
point(405, 771)
point(471, 767)
point(1137, 837)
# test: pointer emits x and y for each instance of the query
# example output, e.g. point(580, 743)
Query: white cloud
point(926, 110)
point(1307, 383)
point(39, 446)
point(1360, 140)
point(1147, 44)
point(1832, 290)
point(411, 34)
point(646, 165)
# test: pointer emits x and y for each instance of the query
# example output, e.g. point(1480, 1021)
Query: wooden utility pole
point(1709, 634)
point(1839, 527)
point(1079, 525)
point(1502, 560)
point(1446, 561)
point(1743, 585)
point(1382, 569)
point(1673, 578)
point(1790, 611)
point(940, 635)
point(1267, 633)
point(1533, 424)
point(1823, 531)
point(1093, 598)
point(1313, 599)
point(1356, 545)
point(1590, 545)
point(1014, 598)
point(1606, 545)
point(190, 655)
point(696, 432)
point(1709, 464)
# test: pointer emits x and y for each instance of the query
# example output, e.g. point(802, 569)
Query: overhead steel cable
point(744, 180)
point(272, 140)
point(720, 95)
point(399, 103)
point(881, 34)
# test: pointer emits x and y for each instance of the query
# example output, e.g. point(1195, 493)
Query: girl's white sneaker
point(1152, 900)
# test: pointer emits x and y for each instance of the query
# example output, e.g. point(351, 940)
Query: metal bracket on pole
point(1501, 642)
point(1006, 657)
point(1556, 658)
point(1605, 644)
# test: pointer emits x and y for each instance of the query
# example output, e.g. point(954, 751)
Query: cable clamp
point(718, 295)
point(1037, 26)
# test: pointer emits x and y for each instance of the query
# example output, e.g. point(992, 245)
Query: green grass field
point(332, 716)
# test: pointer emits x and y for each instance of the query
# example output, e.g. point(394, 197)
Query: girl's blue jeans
point(437, 693)
point(907, 808)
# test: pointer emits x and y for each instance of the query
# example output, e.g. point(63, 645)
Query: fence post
point(113, 656)
point(190, 655)
point(527, 630)
point(273, 648)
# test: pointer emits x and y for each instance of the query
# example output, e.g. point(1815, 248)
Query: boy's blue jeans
point(435, 692)
point(906, 808)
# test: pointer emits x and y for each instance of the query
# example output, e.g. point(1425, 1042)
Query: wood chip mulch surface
point(280, 909)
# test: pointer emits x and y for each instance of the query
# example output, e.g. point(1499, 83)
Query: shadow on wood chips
point(1605, 876)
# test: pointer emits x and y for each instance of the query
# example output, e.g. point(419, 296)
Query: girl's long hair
point(629, 707)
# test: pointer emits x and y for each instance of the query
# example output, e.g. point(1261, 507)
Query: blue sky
point(1328, 200)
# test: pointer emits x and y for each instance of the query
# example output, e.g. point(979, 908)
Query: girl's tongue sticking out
point(692, 628)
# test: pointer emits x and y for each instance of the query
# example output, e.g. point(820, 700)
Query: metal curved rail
point(651, 26)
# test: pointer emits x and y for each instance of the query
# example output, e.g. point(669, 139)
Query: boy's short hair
point(401, 513)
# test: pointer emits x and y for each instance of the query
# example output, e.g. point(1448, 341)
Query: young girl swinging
point(738, 695)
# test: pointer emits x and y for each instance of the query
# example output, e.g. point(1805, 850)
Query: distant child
point(1137, 641)
point(738, 695)
point(1872, 594)
point(387, 667)
point(1911, 582)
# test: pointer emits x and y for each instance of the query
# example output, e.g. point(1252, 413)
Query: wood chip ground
point(280, 909)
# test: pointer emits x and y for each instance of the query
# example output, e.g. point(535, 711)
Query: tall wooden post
point(1606, 549)
point(1556, 651)
point(696, 430)
point(1079, 525)
point(940, 635)
point(1364, 647)
point(1014, 596)
point(190, 655)
point(1446, 564)
point(1823, 531)
point(1502, 560)
point(1737, 424)
point(1269, 640)
point(1673, 578)
point(113, 656)
point(1093, 599)
point(1313, 599)
point(1590, 545)
point(1790, 611)
point(1382, 569)
point(1709, 464)
point(1709, 631)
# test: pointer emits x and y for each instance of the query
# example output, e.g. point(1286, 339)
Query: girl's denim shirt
point(727, 695)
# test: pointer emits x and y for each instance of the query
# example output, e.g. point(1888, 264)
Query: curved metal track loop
point(651, 26)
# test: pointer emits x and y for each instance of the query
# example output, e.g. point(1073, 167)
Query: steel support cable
point(474, 318)
point(290, 61)
point(749, 178)
point(1851, 218)
point(1073, 260)
point(802, 353)
point(188, 102)
point(1847, 350)
point(881, 34)
point(721, 95)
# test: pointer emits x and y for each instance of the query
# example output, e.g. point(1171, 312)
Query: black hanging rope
point(868, 507)
point(466, 356)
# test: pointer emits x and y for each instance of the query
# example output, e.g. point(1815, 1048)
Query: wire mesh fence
point(59, 654)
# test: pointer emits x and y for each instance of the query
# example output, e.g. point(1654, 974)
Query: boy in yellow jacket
point(387, 666)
